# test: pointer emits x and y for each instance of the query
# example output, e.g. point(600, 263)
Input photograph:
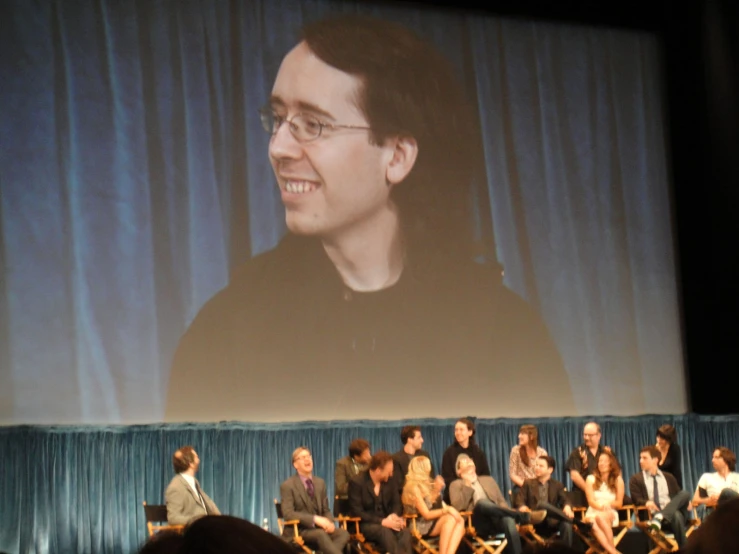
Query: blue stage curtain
point(80, 489)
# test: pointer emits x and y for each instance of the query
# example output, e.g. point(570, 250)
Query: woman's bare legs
point(604, 532)
point(450, 531)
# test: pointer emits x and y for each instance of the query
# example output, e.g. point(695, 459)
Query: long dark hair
point(613, 475)
point(410, 89)
point(533, 434)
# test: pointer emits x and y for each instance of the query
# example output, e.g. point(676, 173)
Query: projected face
point(338, 182)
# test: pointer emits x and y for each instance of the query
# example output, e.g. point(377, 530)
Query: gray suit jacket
point(462, 496)
point(296, 504)
point(183, 504)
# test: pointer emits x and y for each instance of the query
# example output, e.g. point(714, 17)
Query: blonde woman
point(604, 489)
point(422, 497)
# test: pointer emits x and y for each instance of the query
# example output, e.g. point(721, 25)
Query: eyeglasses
point(303, 457)
point(590, 434)
point(304, 127)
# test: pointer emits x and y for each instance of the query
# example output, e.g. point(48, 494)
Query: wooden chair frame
point(297, 540)
point(663, 541)
point(351, 525)
point(528, 532)
point(155, 514)
point(478, 544)
point(421, 544)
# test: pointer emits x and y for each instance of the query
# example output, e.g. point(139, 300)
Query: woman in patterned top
point(422, 497)
point(524, 454)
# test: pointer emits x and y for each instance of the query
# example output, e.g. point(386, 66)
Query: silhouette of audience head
point(217, 535)
point(718, 532)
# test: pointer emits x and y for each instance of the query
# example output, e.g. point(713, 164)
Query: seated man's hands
point(324, 523)
point(394, 522)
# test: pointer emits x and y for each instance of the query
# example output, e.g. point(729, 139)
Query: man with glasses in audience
point(373, 149)
point(304, 498)
point(583, 461)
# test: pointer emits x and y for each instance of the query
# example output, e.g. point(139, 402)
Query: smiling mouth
point(300, 187)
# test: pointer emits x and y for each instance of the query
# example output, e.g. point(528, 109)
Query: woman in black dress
point(670, 450)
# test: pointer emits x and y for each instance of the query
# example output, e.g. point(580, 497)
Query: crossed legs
point(450, 530)
point(603, 531)
point(488, 515)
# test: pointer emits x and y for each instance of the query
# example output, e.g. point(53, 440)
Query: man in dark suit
point(545, 493)
point(375, 498)
point(660, 493)
point(304, 498)
point(185, 499)
point(412, 440)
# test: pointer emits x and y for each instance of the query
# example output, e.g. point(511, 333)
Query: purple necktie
point(309, 487)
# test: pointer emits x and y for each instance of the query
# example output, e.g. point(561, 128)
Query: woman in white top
point(604, 489)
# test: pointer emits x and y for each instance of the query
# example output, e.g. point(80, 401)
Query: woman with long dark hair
point(523, 456)
point(604, 489)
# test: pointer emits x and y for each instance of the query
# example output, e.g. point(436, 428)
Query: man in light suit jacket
point(670, 505)
point(185, 499)
point(304, 498)
point(374, 497)
point(545, 493)
point(490, 511)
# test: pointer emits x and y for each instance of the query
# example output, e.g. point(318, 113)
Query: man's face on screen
point(337, 182)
